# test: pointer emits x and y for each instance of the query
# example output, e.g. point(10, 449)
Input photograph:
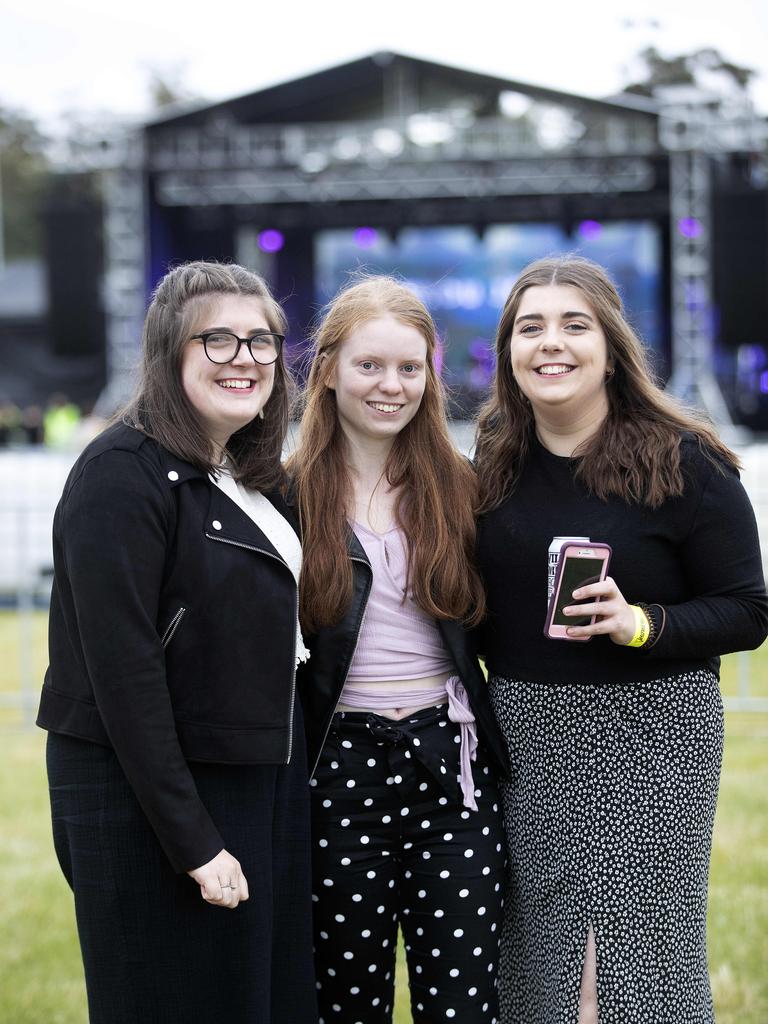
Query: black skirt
point(154, 951)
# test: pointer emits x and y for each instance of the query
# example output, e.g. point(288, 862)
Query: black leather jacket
point(322, 678)
point(172, 630)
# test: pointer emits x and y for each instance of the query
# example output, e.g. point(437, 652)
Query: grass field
point(40, 973)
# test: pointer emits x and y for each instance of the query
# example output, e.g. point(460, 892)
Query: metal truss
point(404, 181)
point(124, 258)
point(693, 131)
point(693, 378)
point(424, 138)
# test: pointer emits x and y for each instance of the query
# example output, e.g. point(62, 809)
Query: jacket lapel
point(226, 521)
point(356, 549)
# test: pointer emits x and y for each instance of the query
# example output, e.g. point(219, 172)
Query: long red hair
point(438, 489)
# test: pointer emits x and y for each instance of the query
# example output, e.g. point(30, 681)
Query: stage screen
point(464, 279)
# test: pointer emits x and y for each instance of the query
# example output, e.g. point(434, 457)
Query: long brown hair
point(636, 453)
point(160, 406)
point(437, 485)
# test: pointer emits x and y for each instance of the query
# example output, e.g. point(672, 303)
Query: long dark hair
point(635, 454)
point(438, 486)
point(160, 406)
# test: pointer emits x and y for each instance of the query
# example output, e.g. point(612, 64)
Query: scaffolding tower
point(694, 127)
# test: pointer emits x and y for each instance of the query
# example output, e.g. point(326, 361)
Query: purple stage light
point(366, 238)
point(271, 240)
point(590, 229)
point(689, 227)
point(764, 382)
point(751, 358)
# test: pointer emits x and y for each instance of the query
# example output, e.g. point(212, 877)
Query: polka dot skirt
point(609, 815)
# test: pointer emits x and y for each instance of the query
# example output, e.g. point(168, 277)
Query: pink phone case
point(572, 546)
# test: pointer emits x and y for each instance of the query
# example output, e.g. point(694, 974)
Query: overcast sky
point(93, 55)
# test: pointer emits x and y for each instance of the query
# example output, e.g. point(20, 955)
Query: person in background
point(32, 429)
point(615, 743)
point(176, 754)
point(403, 746)
point(60, 422)
point(10, 423)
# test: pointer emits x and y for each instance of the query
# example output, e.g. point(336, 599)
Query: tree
point(166, 86)
point(703, 67)
point(25, 174)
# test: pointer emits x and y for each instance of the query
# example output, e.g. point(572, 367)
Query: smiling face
point(559, 354)
point(227, 396)
point(379, 376)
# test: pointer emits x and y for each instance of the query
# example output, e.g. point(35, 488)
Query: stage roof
point(384, 84)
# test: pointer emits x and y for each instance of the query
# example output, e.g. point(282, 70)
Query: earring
point(610, 372)
point(260, 414)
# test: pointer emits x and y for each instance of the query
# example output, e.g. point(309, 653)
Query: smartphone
point(579, 565)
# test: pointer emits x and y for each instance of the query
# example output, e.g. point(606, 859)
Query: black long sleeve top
point(697, 555)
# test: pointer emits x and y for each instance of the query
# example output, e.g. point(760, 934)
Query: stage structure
point(695, 131)
point(390, 144)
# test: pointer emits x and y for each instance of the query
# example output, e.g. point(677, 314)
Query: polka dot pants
point(392, 843)
point(609, 814)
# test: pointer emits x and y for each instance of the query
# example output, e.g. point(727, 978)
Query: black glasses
point(223, 346)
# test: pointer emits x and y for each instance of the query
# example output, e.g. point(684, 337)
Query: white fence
point(31, 481)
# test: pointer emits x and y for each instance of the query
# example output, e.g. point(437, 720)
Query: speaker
point(740, 266)
point(72, 231)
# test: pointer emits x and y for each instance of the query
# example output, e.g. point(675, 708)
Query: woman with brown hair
point(175, 751)
point(615, 744)
point(403, 746)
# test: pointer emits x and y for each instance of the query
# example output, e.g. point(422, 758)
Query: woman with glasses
point(403, 745)
point(176, 753)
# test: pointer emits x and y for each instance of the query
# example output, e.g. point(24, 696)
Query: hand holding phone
point(579, 565)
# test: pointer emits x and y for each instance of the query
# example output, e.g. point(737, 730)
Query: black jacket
point(322, 678)
point(172, 631)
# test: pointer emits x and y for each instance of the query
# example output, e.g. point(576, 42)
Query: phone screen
point(577, 572)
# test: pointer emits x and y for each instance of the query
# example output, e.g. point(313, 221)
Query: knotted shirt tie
point(459, 711)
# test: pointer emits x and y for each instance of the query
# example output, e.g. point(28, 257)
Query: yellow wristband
point(642, 628)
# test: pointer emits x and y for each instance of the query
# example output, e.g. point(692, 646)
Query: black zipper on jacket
point(367, 564)
point(261, 551)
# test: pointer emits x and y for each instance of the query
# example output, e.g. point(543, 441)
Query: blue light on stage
point(465, 279)
point(751, 358)
point(271, 240)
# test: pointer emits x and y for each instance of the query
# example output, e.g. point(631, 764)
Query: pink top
point(397, 640)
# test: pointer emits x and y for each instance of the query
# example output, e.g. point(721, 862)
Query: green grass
point(751, 664)
point(23, 655)
point(738, 905)
point(41, 980)
point(40, 972)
